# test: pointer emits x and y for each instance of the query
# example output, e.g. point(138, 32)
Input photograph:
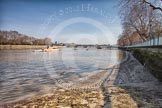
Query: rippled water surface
point(24, 73)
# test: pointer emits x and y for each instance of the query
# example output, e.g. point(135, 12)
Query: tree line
point(141, 21)
point(15, 38)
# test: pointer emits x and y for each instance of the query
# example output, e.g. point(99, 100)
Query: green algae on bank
point(151, 60)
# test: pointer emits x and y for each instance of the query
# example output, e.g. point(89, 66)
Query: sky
point(67, 21)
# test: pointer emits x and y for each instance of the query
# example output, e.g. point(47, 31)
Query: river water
point(24, 73)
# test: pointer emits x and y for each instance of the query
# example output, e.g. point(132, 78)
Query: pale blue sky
point(42, 18)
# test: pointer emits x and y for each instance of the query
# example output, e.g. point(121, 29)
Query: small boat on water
point(38, 50)
point(48, 49)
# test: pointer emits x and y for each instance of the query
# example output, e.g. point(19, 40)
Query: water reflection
point(24, 73)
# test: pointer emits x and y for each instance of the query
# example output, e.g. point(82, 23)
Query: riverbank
point(19, 47)
point(15, 47)
point(63, 99)
point(132, 86)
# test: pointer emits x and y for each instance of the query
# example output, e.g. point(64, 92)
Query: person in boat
point(47, 46)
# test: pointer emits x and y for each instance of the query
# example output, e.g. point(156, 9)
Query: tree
point(15, 38)
point(152, 6)
point(156, 29)
point(47, 41)
point(139, 18)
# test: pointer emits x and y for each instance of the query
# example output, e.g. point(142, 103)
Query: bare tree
point(152, 6)
point(137, 17)
point(47, 41)
point(15, 38)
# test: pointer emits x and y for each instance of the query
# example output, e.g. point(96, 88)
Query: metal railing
point(152, 42)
